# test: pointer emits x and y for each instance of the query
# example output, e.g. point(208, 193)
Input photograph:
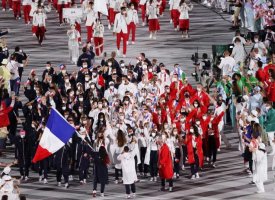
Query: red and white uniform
point(26, 10)
point(121, 30)
point(132, 21)
point(152, 13)
point(98, 38)
point(91, 16)
point(39, 21)
point(174, 9)
point(184, 17)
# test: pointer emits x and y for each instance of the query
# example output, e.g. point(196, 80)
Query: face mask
point(163, 70)
point(64, 108)
point(66, 116)
point(99, 106)
point(182, 120)
point(22, 136)
point(33, 126)
point(101, 119)
point(198, 122)
point(30, 107)
point(111, 87)
point(109, 64)
point(80, 110)
point(150, 70)
point(154, 134)
point(87, 79)
point(196, 105)
point(165, 126)
point(92, 86)
point(48, 68)
point(67, 81)
point(85, 66)
point(191, 130)
point(123, 82)
point(204, 117)
point(71, 94)
point(80, 99)
point(256, 40)
point(199, 89)
point(132, 7)
point(94, 73)
point(122, 65)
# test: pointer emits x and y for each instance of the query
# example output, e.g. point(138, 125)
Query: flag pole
point(78, 134)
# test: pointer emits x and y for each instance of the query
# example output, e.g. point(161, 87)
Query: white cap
point(5, 61)
point(250, 72)
point(7, 170)
point(262, 146)
point(254, 112)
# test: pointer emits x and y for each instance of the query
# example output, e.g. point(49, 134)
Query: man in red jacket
point(165, 164)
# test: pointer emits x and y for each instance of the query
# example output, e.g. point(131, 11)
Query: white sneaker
point(133, 42)
point(19, 18)
point(171, 21)
point(187, 36)
point(155, 179)
point(193, 177)
point(66, 185)
point(260, 191)
point(45, 181)
point(102, 194)
point(143, 23)
point(128, 197)
point(59, 184)
point(197, 175)
point(84, 181)
point(109, 26)
point(170, 189)
point(124, 56)
point(151, 36)
point(33, 34)
point(118, 52)
point(175, 175)
point(71, 178)
point(94, 193)
point(26, 178)
point(155, 37)
point(40, 178)
point(3, 9)
point(10, 9)
point(151, 179)
point(22, 178)
point(116, 181)
point(176, 29)
point(182, 168)
point(127, 42)
point(134, 195)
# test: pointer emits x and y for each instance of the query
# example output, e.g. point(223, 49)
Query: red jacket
point(190, 152)
point(165, 163)
point(202, 98)
point(4, 115)
point(271, 91)
point(175, 89)
point(261, 75)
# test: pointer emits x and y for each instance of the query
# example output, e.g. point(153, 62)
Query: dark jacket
point(100, 169)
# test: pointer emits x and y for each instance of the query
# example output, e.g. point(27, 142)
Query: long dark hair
point(103, 155)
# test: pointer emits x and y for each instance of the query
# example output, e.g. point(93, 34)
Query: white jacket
point(174, 4)
point(132, 16)
point(116, 4)
point(108, 94)
point(26, 2)
point(129, 174)
point(98, 30)
point(60, 2)
point(120, 24)
point(39, 19)
point(131, 87)
point(142, 2)
point(91, 16)
point(152, 11)
point(184, 9)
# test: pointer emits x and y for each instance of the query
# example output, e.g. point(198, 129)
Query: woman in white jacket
point(153, 13)
point(98, 37)
point(129, 174)
point(260, 167)
point(73, 43)
point(184, 17)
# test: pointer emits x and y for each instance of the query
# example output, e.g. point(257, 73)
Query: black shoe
point(162, 189)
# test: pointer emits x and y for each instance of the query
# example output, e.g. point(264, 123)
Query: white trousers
point(260, 186)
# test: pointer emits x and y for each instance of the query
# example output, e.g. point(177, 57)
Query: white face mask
point(198, 122)
point(111, 87)
point(166, 126)
point(121, 117)
point(87, 79)
point(22, 136)
point(109, 64)
point(92, 86)
point(64, 108)
point(94, 74)
point(191, 130)
point(182, 120)
point(99, 106)
point(154, 134)
point(85, 66)
point(80, 99)
point(150, 70)
point(204, 117)
point(48, 68)
point(67, 80)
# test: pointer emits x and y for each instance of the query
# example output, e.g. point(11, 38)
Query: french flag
point(56, 134)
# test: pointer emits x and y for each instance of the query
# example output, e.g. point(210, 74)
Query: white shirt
point(152, 11)
point(98, 30)
point(132, 16)
point(227, 65)
point(39, 19)
point(13, 66)
point(109, 93)
point(174, 4)
point(131, 87)
point(120, 24)
point(26, 2)
point(184, 9)
point(142, 2)
point(91, 16)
